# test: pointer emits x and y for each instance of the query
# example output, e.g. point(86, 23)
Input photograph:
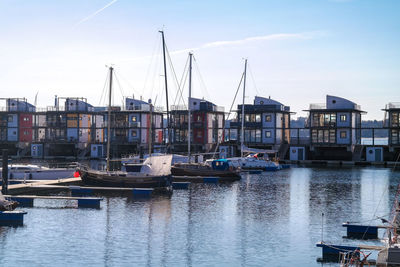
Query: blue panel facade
point(12, 134)
point(72, 134)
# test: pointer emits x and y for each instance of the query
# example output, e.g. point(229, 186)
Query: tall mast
point(244, 92)
point(190, 96)
point(150, 129)
point(109, 120)
point(166, 88)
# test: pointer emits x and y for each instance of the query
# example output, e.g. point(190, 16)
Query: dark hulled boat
point(219, 168)
point(123, 179)
point(154, 173)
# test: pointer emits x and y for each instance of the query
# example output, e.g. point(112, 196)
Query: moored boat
point(154, 173)
point(217, 168)
point(37, 172)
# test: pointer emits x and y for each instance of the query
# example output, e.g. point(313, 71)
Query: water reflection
point(273, 219)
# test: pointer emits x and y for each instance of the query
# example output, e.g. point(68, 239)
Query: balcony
point(393, 105)
point(317, 106)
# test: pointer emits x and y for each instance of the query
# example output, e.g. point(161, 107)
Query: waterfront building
point(266, 125)
point(16, 120)
point(78, 129)
point(207, 124)
point(335, 129)
point(392, 124)
point(133, 125)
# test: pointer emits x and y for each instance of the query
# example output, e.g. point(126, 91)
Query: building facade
point(335, 129)
point(207, 124)
point(266, 125)
point(392, 124)
point(78, 129)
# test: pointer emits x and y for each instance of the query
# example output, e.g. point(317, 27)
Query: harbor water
point(269, 219)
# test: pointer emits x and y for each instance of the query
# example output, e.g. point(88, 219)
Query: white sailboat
point(253, 159)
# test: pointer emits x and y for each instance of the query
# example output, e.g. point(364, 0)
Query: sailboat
point(155, 171)
point(255, 159)
point(219, 168)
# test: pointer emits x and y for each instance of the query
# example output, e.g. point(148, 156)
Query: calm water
point(272, 219)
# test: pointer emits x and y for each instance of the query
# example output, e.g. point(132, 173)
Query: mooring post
point(4, 188)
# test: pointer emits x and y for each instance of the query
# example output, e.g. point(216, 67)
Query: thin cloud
point(95, 13)
point(270, 37)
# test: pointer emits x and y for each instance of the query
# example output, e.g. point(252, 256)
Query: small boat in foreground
point(154, 173)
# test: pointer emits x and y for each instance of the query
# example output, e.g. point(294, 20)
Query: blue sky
point(298, 51)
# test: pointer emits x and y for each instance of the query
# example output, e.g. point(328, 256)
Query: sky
point(298, 51)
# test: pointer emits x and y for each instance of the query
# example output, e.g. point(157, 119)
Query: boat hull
point(205, 172)
point(124, 180)
point(52, 174)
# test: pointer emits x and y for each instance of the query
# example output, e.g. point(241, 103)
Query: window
point(258, 118)
point(343, 134)
point(26, 119)
point(267, 134)
point(343, 118)
point(258, 136)
point(247, 118)
point(26, 132)
point(199, 134)
point(133, 133)
point(267, 118)
point(133, 118)
point(10, 118)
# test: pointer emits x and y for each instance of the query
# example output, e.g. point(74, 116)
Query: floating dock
point(83, 202)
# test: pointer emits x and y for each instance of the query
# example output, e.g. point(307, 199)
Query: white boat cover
point(157, 165)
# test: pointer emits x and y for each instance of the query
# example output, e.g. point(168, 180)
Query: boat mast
point(109, 121)
point(244, 91)
point(150, 129)
point(190, 96)
point(166, 88)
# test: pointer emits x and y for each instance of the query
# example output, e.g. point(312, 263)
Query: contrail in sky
point(269, 37)
point(95, 13)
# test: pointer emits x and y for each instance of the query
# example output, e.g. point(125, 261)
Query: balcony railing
point(179, 107)
point(393, 105)
point(318, 106)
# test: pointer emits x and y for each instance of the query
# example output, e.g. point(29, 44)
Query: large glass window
point(395, 137)
point(395, 119)
point(323, 136)
point(323, 120)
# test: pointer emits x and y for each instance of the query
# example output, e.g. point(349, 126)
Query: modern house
point(207, 124)
point(16, 120)
point(335, 129)
point(133, 126)
point(78, 129)
point(266, 125)
point(392, 124)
